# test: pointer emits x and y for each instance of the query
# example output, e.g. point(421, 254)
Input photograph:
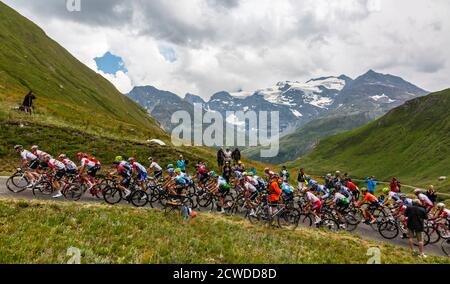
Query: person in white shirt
point(71, 167)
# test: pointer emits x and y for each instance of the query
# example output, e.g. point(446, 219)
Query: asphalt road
point(363, 230)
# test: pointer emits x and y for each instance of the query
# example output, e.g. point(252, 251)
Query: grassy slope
point(304, 139)
point(69, 93)
point(127, 235)
point(411, 142)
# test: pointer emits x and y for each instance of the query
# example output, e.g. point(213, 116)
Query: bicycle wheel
point(17, 183)
point(446, 247)
point(112, 195)
point(304, 220)
point(435, 235)
point(139, 198)
point(389, 230)
point(74, 192)
point(351, 223)
point(329, 224)
point(44, 187)
point(380, 216)
point(253, 216)
point(289, 219)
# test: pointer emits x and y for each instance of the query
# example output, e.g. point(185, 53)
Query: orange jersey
point(370, 198)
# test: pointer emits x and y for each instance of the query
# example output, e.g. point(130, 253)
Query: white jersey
point(311, 197)
point(71, 166)
point(41, 154)
point(250, 187)
point(339, 197)
point(155, 167)
point(85, 162)
point(424, 198)
point(56, 165)
point(139, 168)
point(221, 181)
point(27, 155)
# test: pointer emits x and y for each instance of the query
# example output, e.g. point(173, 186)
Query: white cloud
point(250, 44)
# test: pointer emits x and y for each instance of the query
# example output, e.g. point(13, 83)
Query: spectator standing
point(395, 185)
point(301, 179)
point(220, 158)
point(27, 104)
point(236, 155)
point(228, 155)
point(227, 170)
point(432, 194)
point(371, 184)
point(181, 163)
point(416, 215)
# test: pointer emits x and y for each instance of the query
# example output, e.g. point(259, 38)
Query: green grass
point(119, 234)
point(411, 142)
point(69, 93)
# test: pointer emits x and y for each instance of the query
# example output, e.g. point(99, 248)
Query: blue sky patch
point(110, 63)
point(169, 54)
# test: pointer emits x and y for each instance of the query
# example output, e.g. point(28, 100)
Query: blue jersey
point(181, 165)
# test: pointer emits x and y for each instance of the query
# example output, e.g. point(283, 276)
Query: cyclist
point(269, 173)
point(287, 189)
point(59, 169)
point(124, 171)
point(353, 188)
point(315, 203)
point(442, 217)
point(138, 171)
point(341, 203)
point(71, 167)
point(30, 161)
point(157, 169)
point(424, 200)
point(389, 196)
point(202, 174)
point(91, 165)
point(320, 190)
point(41, 155)
point(344, 190)
point(367, 201)
point(221, 189)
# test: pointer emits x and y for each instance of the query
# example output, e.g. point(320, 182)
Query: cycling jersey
point(250, 187)
point(138, 168)
point(311, 197)
point(124, 169)
point(352, 187)
point(393, 196)
point(28, 156)
point(445, 214)
point(41, 154)
point(181, 165)
point(322, 189)
point(155, 167)
point(56, 165)
point(70, 166)
point(370, 198)
point(422, 197)
point(89, 163)
point(221, 182)
point(340, 199)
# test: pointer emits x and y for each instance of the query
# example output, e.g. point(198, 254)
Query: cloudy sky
point(205, 46)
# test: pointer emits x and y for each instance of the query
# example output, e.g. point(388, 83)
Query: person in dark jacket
point(432, 194)
point(27, 104)
point(220, 158)
point(236, 156)
point(416, 215)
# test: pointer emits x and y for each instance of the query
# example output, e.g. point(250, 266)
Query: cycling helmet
point(338, 173)
point(275, 176)
point(402, 195)
point(441, 206)
point(178, 171)
point(308, 178)
point(386, 190)
point(338, 184)
point(364, 190)
point(213, 174)
point(170, 166)
point(17, 147)
point(244, 174)
point(81, 155)
point(62, 156)
point(118, 158)
point(34, 147)
point(240, 162)
point(250, 174)
point(150, 158)
point(417, 191)
point(329, 175)
point(225, 187)
point(171, 170)
point(131, 159)
point(332, 191)
point(280, 181)
point(266, 170)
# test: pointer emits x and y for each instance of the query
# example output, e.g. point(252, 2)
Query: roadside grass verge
point(42, 232)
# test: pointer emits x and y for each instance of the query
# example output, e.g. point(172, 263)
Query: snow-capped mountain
point(297, 103)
